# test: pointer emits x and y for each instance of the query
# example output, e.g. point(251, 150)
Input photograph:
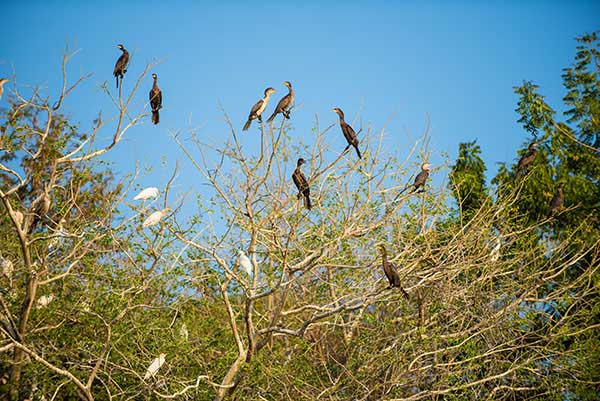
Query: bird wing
point(391, 274)
point(349, 134)
point(121, 64)
point(255, 108)
point(283, 103)
point(150, 192)
point(152, 219)
point(421, 178)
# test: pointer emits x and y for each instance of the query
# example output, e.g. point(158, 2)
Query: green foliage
point(467, 178)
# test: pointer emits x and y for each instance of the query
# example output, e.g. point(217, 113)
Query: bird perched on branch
point(557, 200)
point(2, 82)
point(155, 100)
point(391, 272)
point(121, 65)
point(421, 178)
point(258, 108)
point(245, 263)
point(302, 184)
point(284, 104)
point(154, 366)
point(527, 159)
point(348, 132)
point(147, 193)
point(155, 217)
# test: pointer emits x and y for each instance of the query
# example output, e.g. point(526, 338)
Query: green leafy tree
point(467, 179)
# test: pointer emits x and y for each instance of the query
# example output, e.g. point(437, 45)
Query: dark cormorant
point(527, 159)
point(258, 108)
point(155, 100)
point(284, 104)
point(121, 65)
point(421, 178)
point(391, 272)
point(348, 132)
point(302, 184)
point(557, 200)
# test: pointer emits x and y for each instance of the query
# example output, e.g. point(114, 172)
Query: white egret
point(150, 192)
point(495, 254)
point(2, 82)
point(183, 332)
point(7, 267)
point(59, 233)
point(155, 217)
point(154, 366)
point(245, 263)
point(44, 300)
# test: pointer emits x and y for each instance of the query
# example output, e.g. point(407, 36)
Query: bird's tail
point(155, 116)
point(404, 293)
point(247, 125)
point(117, 78)
point(357, 151)
point(272, 117)
point(307, 202)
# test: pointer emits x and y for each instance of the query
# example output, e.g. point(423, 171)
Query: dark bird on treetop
point(421, 178)
point(302, 184)
point(527, 159)
point(258, 108)
point(121, 65)
point(348, 132)
point(391, 272)
point(557, 200)
point(155, 100)
point(284, 104)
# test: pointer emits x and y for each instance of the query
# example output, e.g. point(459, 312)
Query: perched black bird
point(348, 132)
point(155, 100)
point(557, 200)
point(421, 178)
point(284, 104)
point(121, 65)
point(302, 184)
point(527, 159)
point(258, 109)
point(391, 272)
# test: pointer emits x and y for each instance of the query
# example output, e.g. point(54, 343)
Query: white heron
point(2, 82)
point(150, 192)
point(7, 267)
point(155, 217)
point(495, 254)
point(59, 233)
point(183, 332)
point(44, 300)
point(245, 263)
point(154, 366)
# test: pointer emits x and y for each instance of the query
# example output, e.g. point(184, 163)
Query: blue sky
point(454, 61)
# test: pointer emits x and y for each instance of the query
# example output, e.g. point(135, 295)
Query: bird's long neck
point(267, 96)
point(155, 85)
point(384, 256)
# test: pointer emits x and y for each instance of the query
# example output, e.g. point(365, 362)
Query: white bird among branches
point(154, 366)
point(44, 300)
point(150, 192)
point(155, 217)
point(245, 263)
